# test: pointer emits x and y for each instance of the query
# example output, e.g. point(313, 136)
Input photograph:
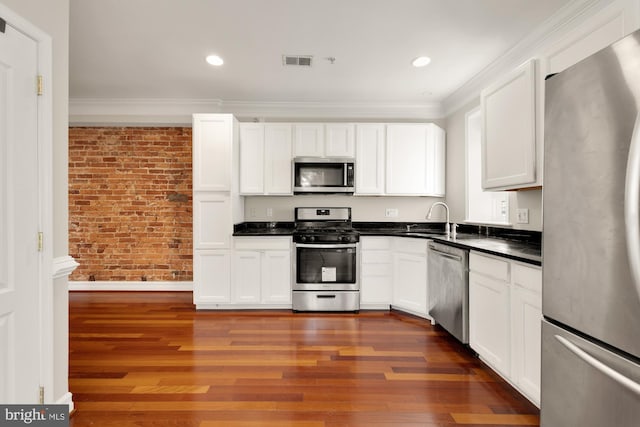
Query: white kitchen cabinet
point(216, 207)
point(410, 275)
point(262, 272)
point(339, 140)
point(505, 319)
point(370, 159)
point(509, 130)
point(376, 274)
point(308, 140)
point(212, 278)
point(212, 151)
point(526, 329)
point(324, 140)
point(415, 160)
point(265, 159)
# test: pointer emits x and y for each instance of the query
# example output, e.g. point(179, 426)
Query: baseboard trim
point(130, 286)
point(66, 399)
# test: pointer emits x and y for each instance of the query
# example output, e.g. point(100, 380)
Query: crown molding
point(148, 112)
point(564, 20)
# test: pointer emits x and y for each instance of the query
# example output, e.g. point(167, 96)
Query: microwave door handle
point(632, 205)
point(345, 179)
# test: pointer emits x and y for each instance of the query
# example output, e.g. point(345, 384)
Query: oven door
point(326, 267)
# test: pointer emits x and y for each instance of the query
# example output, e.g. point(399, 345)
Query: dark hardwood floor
point(149, 359)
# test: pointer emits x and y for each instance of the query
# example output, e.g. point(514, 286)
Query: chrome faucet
point(447, 226)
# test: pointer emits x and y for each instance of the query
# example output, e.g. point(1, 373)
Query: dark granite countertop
point(519, 245)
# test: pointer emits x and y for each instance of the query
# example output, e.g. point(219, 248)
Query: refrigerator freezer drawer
point(585, 385)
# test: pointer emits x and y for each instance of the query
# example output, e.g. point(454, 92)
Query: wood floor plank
point(148, 359)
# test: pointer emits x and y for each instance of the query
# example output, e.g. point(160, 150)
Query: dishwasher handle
point(445, 254)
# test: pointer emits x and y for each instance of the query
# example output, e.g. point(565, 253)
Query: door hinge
point(40, 241)
point(41, 395)
point(40, 86)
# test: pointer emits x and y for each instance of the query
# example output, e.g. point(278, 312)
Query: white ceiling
point(155, 49)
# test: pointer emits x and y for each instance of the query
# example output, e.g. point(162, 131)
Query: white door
point(19, 220)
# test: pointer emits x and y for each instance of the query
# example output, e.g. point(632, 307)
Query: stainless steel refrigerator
point(591, 243)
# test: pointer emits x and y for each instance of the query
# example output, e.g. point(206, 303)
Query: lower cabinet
point(410, 275)
point(262, 272)
point(505, 301)
point(376, 274)
point(213, 270)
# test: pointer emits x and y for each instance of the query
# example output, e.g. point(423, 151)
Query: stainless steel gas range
point(326, 261)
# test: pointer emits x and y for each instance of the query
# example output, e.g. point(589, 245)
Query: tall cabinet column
point(217, 206)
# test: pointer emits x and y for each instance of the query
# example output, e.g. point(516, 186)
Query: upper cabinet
point(324, 140)
point(370, 159)
point(212, 153)
point(265, 159)
point(415, 160)
point(509, 131)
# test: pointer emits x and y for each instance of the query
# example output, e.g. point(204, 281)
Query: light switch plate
point(522, 216)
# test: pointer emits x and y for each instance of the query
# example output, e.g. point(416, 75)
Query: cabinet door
point(489, 320)
point(252, 158)
point(509, 130)
point(212, 145)
point(247, 276)
point(370, 157)
point(308, 140)
point(526, 335)
point(339, 140)
point(377, 278)
point(406, 159)
point(211, 277)
point(410, 283)
point(277, 156)
point(435, 161)
point(212, 225)
point(276, 277)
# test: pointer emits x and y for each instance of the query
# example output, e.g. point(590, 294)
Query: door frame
point(45, 192)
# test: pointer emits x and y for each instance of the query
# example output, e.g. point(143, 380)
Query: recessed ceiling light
point(421, 61)
point(215, 60)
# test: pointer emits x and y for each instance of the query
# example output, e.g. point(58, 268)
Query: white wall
point(52, 17)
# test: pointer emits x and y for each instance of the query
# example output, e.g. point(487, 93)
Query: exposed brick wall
point(130, 203)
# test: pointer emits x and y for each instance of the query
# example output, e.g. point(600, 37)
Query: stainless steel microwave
point(323, 175)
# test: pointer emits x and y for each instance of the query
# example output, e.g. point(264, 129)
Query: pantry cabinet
point(415, 160)
point(216, 207)
point(505, 300)
point(265, 159)
point(509, 130)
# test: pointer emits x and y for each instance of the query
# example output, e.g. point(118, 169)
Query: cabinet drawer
point(276, 243)
point(375, 243)
point(527, 277)
point(488, 266)
point(376, 257)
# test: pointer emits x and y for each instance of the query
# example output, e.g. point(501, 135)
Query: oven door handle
point(326, 245)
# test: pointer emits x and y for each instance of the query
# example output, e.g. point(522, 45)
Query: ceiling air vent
point(297, 60)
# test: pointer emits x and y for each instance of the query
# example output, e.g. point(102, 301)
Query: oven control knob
point(345, 238)
point(303, 238)
point(312, 238)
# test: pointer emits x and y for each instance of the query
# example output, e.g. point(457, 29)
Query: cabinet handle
point(631, 205)
point(595, 363)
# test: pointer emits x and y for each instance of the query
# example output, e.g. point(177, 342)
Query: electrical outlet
point(522, 216)
point(269, 212)
point(391, 212)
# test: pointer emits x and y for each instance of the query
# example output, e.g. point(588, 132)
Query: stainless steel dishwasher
point(448, 276)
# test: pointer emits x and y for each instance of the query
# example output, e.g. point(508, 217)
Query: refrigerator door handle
point(595, 363)
point(632, 205)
